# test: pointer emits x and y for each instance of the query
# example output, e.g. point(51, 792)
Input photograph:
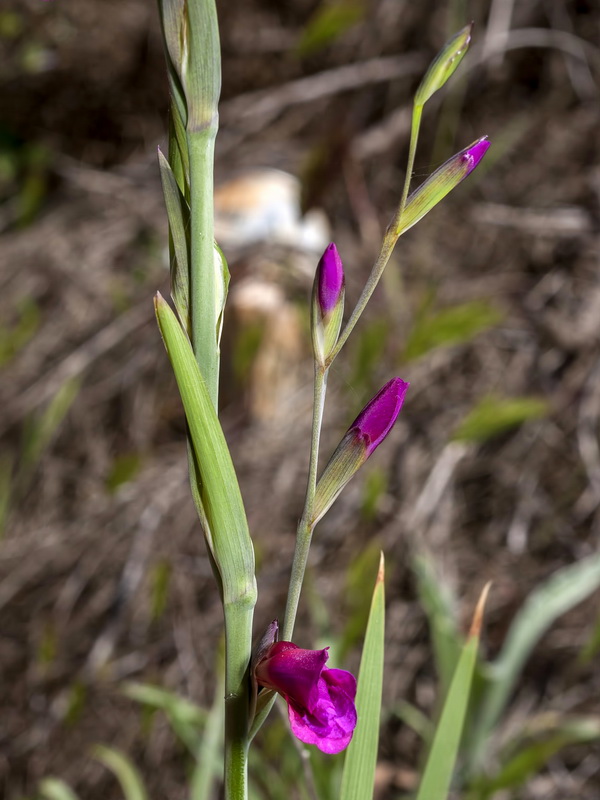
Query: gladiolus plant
point(325, 708)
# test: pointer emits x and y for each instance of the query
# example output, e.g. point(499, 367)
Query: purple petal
point(330, 279)
point(293, 672)
point(377, 418)
point(331, 723)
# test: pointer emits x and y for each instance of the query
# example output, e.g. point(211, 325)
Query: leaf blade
point(358, 778)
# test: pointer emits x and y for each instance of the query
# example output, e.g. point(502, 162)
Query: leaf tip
point(475, 630)
point(381, 570)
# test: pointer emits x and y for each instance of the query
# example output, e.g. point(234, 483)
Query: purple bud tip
point(330, 279)
point(377, 418)
point(474, 154)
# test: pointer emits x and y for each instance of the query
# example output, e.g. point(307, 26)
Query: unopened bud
point(443, 180)
point(444, 64)
point(363, 437)
point(327, 303)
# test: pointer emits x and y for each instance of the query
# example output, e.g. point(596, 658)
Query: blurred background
point(490, 308)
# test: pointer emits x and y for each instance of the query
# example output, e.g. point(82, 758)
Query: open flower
point(320, 700)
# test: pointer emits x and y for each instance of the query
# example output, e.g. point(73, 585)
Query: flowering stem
point(306, 525)
point(387, 247)
point(203, 289)
point(389, 242)
point(412, 149)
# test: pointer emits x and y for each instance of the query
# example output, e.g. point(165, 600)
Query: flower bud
point(441, 182)
point(444, 64)
point(327, 303)
point(365, 434)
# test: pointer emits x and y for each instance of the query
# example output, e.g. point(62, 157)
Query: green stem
point(304, 532)
point(306, 525)
point(389, 242)
point(238, 647)
point(203, 276)
point(412, 149)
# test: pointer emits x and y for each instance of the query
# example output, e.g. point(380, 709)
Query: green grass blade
point(558, 594)
point(439, 768)
point(493, 416)
point(123, 769)
point(439, 605)
point(528, 758)
point(458, 324)
point(56, 789)
point(185, 718)
point(210, 756)
point(361, 757)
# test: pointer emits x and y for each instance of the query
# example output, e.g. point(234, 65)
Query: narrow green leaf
point(178, 213)
point(444, 65)
point(56, 789)
point(495, 415)
point(450, 326)
point(358, 778)
point(413, 717)
point(124, 770)
point(185, 718)
point(40, 431)
point(530, 757)
point(228, 537)
point(562, 591)
point(438, 603)
point(437, 776)
point(330, 21)
point(209, 758)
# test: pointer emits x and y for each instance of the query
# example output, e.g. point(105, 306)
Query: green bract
point(444, 64)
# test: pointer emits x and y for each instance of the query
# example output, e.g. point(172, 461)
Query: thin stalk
point(412, 149)
point(306, 525)
point(304, 532)
point(203, 276)
point(389, 242)
point(387, 247)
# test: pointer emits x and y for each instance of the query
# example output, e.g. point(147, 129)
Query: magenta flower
point(365, 434)
point(320, 700)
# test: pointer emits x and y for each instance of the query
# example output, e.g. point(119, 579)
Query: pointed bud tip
point(473, 155)
point(378, 417)
point(330, 279)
